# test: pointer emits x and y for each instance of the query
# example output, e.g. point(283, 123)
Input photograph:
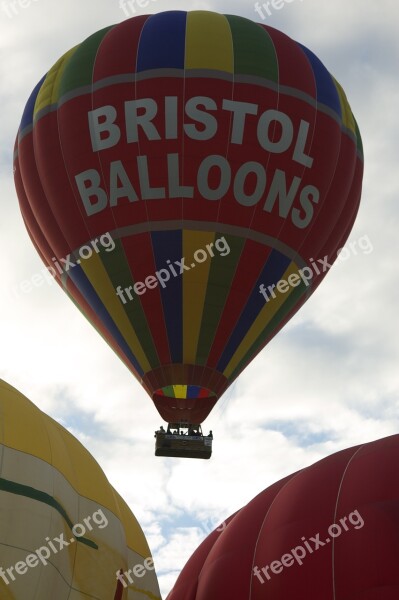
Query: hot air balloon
point(328, 531)
point(65, 533)
point(188, 178)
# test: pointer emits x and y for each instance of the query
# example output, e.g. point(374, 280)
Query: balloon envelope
point(187, 178)
point(65, 532)
point(329, 531)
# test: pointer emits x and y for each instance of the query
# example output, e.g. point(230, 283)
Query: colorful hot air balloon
point(327, 532)
point(65, 533)
point(188, 179)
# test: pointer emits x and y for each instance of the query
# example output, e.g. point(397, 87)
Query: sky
point(328, 381)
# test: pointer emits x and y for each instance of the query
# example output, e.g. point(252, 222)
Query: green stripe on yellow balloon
point(254, 51)
point(211, 51)
point(94, 270)
point(194, 291)
point(271, 308)
point(27, 491)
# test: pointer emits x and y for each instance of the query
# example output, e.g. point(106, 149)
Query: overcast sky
point(328, 381)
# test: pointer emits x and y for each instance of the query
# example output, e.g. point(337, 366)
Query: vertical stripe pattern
point(178, 297)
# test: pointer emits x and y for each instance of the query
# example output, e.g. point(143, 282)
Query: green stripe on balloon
point(254, 52)
point(221, 275)
point(79, 71)
point(169, 391)
point(359, 140)
point(272, 326)
point(118, 271)
point(27, 491)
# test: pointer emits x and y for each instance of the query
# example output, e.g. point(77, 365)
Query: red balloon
point(175, 169)
point(328, 532)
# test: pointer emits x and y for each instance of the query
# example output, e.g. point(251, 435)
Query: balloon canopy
point(188, 179)
point(65, 533)
point(329, 531)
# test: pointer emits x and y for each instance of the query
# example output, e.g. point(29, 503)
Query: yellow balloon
point(65, 533)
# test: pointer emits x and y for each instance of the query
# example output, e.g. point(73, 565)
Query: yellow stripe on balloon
point(98, 277)
point(180, 391)
point(347, 115)
point(263, 319)
point(213, 50)
point(49, 91)
point(194, 290)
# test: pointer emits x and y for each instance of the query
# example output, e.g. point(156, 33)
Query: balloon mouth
point(185, 391)
point(184, 404)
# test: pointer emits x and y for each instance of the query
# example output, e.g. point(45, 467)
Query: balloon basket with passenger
point(183, 440)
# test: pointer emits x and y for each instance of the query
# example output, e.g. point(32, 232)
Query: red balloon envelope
point(329, 532)
point(188, 179)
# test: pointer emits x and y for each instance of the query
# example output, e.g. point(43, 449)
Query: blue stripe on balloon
point(27, 117)
point(84, 286)
point(162, 42)
point(272, 272)
point(167, 245)
point(193, 391)
point(326, 90)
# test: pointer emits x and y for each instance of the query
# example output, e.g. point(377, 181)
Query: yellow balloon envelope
point(65, 533)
